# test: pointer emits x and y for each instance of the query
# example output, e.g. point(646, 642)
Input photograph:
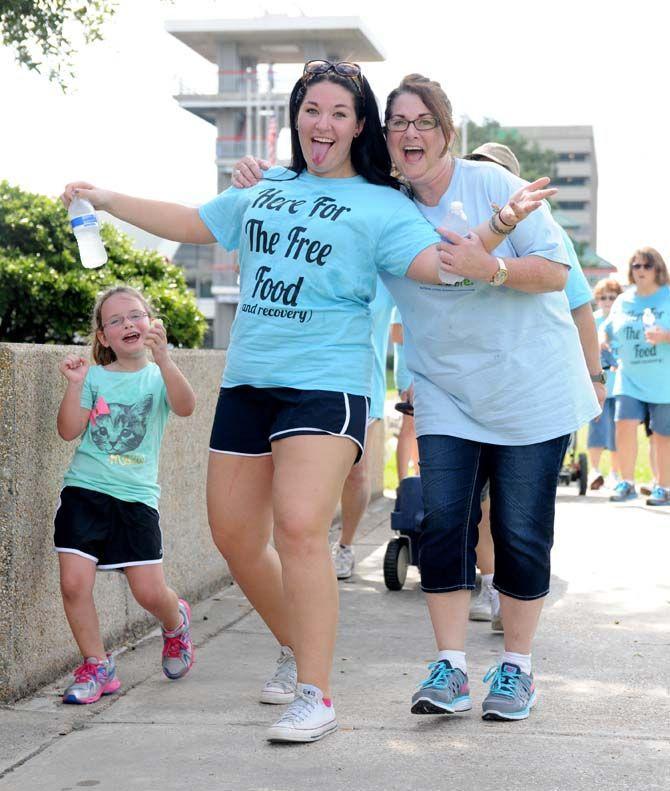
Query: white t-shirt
point(491, 364)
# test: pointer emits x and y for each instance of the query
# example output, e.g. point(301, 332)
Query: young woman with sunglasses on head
point(638, 327)
point(293, 405)
point(500, 382)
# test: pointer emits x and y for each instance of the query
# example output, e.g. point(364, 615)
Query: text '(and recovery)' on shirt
point(310, 249)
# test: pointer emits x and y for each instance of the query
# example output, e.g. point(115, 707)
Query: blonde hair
point(103, 355)
point(650, 256)
point(605, 285)
point(435, 99)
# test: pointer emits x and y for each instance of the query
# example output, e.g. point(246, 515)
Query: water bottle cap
point(456, 205)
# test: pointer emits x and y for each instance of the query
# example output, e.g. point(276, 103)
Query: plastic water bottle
point(86, 229)
point(457, 222)
point(648, 318)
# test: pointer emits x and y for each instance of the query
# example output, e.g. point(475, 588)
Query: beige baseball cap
point(498, 153)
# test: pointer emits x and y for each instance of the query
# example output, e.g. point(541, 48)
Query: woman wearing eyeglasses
point(638, 326)
point(601, 434)
point(293, 405)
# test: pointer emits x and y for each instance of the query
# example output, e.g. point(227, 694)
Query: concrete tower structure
point(249, 109)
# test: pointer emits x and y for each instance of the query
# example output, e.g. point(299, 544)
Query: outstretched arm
point(167, 220)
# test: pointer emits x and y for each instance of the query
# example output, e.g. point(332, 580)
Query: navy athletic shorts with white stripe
point(112, 533)
point(248, 419)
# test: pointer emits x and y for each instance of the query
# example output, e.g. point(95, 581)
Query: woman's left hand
point(156, 341)
point(465, 256)
point(656, 335)
point(526, 200)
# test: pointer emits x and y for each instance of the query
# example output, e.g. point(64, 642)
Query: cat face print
point(120, 428)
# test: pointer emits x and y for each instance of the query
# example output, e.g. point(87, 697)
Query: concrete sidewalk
point(602, 662)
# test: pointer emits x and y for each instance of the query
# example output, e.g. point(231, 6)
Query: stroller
point(575, 467)
point(406, 518)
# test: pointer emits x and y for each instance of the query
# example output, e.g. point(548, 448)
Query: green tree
point(44, 33)
point(534, 161)
point(46, 296)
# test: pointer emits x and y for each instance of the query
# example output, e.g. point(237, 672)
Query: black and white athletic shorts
point(111, 532)
point(248, 419)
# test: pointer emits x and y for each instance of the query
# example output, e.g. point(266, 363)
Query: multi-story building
point(577, 180)
point(249, 108)
point(576, 174)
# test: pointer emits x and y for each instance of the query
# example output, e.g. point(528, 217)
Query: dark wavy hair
point(369, 155)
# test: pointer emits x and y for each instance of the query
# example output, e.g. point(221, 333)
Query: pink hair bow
point(100, 408)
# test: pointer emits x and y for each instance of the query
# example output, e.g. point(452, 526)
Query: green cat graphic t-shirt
point(118, 452)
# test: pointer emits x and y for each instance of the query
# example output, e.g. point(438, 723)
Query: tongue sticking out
point(413, 155)
point(319, 151)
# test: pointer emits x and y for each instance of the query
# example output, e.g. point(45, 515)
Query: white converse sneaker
point(344, 560)
point(281, 687)
point(307, 719)
point(481, 606)
point(496, 617)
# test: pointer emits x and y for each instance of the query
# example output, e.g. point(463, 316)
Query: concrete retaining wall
point(35, 641)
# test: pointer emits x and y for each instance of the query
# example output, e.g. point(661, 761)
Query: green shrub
point(46, 295)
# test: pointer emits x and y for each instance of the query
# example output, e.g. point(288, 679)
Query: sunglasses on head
point(642, 266)
point(345, 69)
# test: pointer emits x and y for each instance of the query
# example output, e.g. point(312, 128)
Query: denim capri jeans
point(523, 482)
point(658, 415)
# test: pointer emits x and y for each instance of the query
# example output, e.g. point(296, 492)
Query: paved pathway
point(602, 664)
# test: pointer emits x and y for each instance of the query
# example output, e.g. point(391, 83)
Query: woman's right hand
point(74, 369)
point(525, 200)
point(82, 189)
point(248, 172)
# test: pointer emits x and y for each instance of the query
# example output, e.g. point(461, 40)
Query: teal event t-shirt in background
point(609, 374)
point(310, 249)
point(118, 452)
point(491, 364)
point(577, 288)
point(380, 308)
point(643, 369)
point(401, 375)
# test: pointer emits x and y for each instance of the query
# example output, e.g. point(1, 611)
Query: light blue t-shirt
point(380, 308)
point(118, 452)
point(610, 358)
point(401, 375)
point(493, 364)
point(577, 288)
point(644, 369)
point(310, 249)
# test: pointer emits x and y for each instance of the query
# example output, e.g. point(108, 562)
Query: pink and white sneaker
point(92, 679)
point(178, 649)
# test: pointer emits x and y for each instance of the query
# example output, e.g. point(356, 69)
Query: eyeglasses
point(606, 297)
point(423, 123)
point(642, 266)
point(345, 69)
point(117, 321)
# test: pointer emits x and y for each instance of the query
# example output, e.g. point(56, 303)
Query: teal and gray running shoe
point(623, 491)
point(659, 496)
point(512, 693)
point(445, 691)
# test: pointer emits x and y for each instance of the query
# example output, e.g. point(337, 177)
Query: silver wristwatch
point(501, 275)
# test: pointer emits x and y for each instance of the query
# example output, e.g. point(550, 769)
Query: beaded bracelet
point(501, 231)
